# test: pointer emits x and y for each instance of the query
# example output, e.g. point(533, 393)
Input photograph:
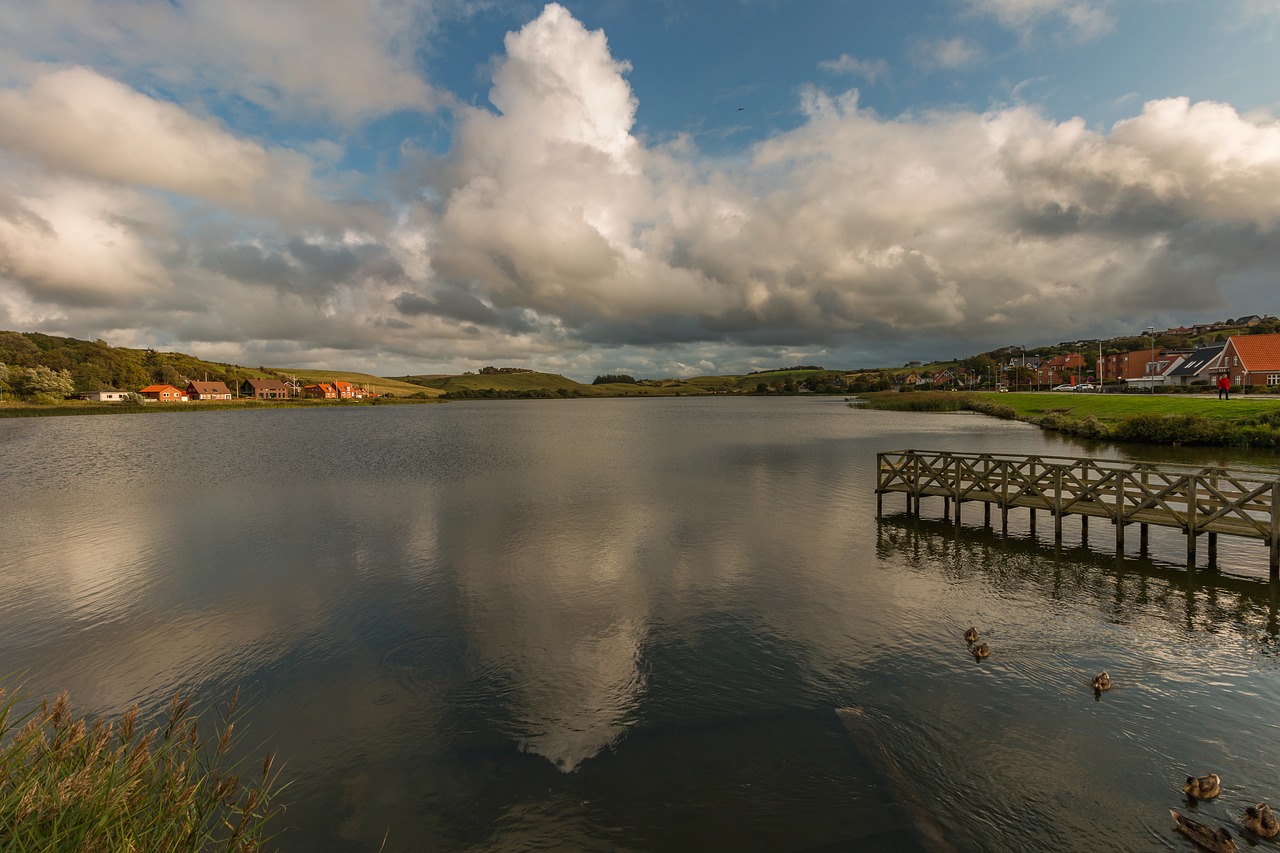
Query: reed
point(68, 782)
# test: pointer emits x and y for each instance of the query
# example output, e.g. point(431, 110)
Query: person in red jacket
point(1224, 387)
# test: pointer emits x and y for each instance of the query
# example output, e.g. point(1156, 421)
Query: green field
point(1152, 419)
point(1111, 408)
point(374, 384)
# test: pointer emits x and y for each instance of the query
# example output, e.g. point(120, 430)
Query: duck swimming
point(971, 635)
point(1202, 787)
point(1213, 840)
point(1102, 681)
point(1260, 821)
point(981, 650)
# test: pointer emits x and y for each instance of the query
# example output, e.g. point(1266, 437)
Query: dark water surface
point(626, 624)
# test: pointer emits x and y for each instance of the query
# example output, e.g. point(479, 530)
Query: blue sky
point(661, 188)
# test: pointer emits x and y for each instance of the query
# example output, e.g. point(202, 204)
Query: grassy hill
point(375, 384)
point(96, 364)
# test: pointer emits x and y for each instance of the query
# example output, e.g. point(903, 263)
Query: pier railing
point(1197, 500)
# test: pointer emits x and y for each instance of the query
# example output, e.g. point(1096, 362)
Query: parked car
point(1064, 387)
point(1085, 386)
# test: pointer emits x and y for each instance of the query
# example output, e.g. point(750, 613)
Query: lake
point(627, 624)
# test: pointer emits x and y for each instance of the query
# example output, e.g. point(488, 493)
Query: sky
point(664, 188)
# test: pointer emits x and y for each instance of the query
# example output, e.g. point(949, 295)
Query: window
point(1273, 378)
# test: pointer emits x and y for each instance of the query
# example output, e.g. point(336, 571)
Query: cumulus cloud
point(77, 121)
point(76, 244)
point(345, 59)
point(551, 234)
point(852, 224)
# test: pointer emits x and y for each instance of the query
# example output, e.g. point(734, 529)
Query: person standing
point(1224, 387)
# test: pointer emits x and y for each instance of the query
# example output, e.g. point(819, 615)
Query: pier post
point(1033, 522)
point(1275, 530)
point(1191, 522)
point(986, 514)
point(1084, 531)
point(1119, 513)
point(1142, 539)
point(1057, 507)
point(1213, 550)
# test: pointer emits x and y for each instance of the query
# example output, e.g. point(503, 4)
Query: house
point(1251, 361)
point(1139, 364)
point(264, 389)
point(320, 391)
point(163, 394)
point(106, 395)
point(208, 391)
point(1058, 369)
point(1195, 367)
point(346, 391)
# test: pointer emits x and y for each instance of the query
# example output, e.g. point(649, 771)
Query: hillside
point(95, 364)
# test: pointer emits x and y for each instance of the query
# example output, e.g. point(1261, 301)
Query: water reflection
point(627, 625)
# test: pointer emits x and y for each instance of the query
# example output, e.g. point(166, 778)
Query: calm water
point(625, 625)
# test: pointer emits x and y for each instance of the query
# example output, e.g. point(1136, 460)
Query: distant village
point(1248, 359)
point(252, 389)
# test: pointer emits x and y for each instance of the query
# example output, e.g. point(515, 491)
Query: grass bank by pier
point(1153, 419)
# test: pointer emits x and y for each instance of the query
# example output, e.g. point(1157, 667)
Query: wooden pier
point(1194, 500)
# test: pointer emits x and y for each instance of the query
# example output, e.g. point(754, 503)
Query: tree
point(4, 377)
point(42, 382)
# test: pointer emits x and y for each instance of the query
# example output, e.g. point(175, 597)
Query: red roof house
point(1251, 360)
point(163, 394)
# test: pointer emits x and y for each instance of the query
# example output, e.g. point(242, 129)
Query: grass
point(1112, 408)
point(68, 783)
point(375, 384)
point(1152, 419)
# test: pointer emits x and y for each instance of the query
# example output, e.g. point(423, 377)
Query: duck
point(1102, 681)
point(1260, 821)
point(981, 650)
point(1203, 787)
point(971, 635)
point(1213, 840)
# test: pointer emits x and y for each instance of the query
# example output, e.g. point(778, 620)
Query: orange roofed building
point(163, 394)
point(1251, 361)
point(321, 391)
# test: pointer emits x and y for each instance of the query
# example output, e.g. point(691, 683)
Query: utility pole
point(1151, 368)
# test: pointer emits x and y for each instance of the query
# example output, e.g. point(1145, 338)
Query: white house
point(106, 395)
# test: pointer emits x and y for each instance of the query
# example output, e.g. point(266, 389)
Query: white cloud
point(870, 70)
point(551, 235)
point(78, 244)
point(1078, 18)
point(345, 59)
point(946, 54)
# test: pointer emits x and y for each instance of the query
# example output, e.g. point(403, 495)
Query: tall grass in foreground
point(74, 785)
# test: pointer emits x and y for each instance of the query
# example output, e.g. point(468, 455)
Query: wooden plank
point(1211, 500)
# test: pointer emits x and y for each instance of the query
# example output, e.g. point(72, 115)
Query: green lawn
point(1110, 408)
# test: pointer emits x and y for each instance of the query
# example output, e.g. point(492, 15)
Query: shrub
point(70, 784)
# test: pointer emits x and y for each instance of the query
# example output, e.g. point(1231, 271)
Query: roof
point(267, 384)
point(1198, 360)
point(1257, 352)
point(155, 389)
point(209, 387)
